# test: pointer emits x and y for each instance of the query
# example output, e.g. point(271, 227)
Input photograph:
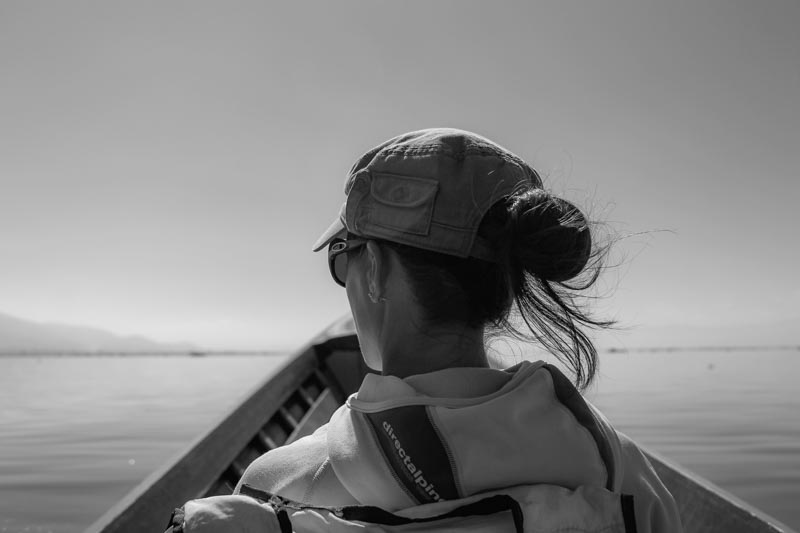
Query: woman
point(443, 234)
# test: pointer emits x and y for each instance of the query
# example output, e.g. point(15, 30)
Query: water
point(731, 417)
point(77, 433)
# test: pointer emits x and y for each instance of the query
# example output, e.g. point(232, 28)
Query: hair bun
point(550, 236)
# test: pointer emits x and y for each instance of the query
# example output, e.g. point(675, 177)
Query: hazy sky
point(165, 167)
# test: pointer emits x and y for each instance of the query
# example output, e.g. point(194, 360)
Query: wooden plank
point(319, 414)
point(149, 505)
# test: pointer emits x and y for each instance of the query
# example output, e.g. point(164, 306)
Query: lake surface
point(77, 433)
point(731, 417)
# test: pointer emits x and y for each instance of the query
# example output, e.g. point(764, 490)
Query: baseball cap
point(429, 189)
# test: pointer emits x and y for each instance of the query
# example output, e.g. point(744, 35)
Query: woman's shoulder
point(656, 510)
point(300, 471)
point(290, 468)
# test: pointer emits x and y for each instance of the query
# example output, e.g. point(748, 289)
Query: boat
point(300, 397)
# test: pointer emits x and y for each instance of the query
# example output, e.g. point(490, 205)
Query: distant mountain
point(25, 336)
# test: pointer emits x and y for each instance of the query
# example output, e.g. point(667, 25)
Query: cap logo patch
point(402, 203)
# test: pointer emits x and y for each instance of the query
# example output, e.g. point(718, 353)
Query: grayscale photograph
point(380, 266)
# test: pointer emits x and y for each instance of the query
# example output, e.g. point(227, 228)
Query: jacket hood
point(397, 443)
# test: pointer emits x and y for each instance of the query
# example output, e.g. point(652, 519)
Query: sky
point(165, 167)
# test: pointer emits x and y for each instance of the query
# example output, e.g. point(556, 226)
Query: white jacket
point(418, 442)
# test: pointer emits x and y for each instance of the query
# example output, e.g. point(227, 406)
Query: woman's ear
point(376, 271)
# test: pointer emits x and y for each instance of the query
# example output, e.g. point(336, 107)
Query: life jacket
point(525, 509)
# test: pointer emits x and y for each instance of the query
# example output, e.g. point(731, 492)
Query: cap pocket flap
point(403, 191)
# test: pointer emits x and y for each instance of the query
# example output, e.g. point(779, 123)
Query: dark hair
point(545, 256)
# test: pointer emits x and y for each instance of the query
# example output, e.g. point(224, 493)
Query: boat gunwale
point(165, 481)
point(672, 473)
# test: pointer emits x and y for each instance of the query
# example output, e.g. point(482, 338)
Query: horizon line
point(274, 352)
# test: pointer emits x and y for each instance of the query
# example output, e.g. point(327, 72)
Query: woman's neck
point(416, 349)
point(407, 343)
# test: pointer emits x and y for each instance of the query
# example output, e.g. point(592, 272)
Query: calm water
point(77, 433)
point(733, 418)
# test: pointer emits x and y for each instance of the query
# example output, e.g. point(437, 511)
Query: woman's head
point(475, 237)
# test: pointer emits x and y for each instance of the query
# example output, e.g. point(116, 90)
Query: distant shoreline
point(273, 353)
point(193, 353)
point(661, 349)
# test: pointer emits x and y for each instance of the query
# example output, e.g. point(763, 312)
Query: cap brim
point(337, 229)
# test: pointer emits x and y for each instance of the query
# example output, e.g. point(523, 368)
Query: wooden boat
point(300, 397)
